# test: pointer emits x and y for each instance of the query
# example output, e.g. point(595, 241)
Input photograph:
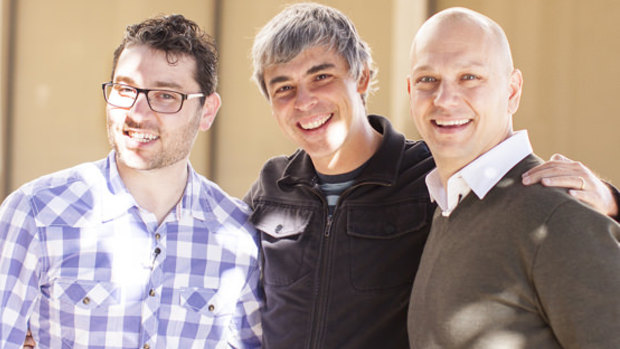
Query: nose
point(305, 99)
point(446, 94)
point(140, 108)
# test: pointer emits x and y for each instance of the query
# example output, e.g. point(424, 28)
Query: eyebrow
point(312, 70)
point(158, 84)
point(461, 65)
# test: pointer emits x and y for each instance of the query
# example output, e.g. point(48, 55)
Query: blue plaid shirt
point(86, 267)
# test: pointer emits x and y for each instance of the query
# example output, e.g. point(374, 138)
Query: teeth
point(452, 122)
point(142, 137)
point(316, 123)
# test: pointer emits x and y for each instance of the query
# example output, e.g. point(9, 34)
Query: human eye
point(425, 80)
point(322, 76)
point(124, 90)
point(165, 96)
point(469, 77)
point(282, 91)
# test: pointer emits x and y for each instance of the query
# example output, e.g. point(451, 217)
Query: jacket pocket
point(283, 241)
point(86, 294)
point(386, 243)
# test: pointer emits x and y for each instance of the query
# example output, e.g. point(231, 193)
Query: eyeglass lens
point(124, 96)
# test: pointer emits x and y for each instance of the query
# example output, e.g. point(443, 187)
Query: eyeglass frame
point(184, 96)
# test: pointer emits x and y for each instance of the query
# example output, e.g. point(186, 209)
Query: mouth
point(451, 123)
point(140, 136)
point(315, 122)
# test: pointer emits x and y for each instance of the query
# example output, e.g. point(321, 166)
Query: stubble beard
point(172, 153)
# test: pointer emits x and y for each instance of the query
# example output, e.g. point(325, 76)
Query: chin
point(132, 161)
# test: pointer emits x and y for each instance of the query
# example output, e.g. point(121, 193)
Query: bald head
point(459, 24)
point(463, 87)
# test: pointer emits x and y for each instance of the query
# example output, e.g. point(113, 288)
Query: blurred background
point(55, 54)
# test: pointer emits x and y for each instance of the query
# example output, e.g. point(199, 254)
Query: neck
point(445, 172)
point(351, 155)
point(157, 190)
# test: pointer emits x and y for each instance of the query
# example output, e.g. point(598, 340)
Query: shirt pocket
point(385, 243)
point(206, 301)
point(284, 241)
point(86, 294)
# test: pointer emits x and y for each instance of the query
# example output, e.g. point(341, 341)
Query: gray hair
point(306, 25)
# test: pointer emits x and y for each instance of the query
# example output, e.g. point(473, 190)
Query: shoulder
point(276, 165)
point(68, 192)
point(85, 174)
point(223, 212)
point(408, 154)
point(417, 153)
point(274, 170)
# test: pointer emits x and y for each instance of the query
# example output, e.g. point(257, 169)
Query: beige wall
point(567, 50)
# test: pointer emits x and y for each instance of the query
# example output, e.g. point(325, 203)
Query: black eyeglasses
point(161, 101)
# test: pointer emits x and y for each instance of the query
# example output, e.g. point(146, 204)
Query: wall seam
point(9, 84)
point(213, 132)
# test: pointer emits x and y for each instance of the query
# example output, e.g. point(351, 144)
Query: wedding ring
point(583, 183)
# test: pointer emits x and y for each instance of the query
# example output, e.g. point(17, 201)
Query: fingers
point(582, 183)
point(559, 171)
point(569, 182)
point(29, 342)
point(558, 157)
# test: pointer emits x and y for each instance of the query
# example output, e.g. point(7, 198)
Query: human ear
point(209, 110)
point(516, 86)
point(364, 80)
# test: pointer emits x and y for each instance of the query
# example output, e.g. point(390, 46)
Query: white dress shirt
point(480, 175)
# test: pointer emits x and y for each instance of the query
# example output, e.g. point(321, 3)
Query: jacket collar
point(381, 168)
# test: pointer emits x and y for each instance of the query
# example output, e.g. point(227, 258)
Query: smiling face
point(147, 140)
point(317, 104)
point(463, 90)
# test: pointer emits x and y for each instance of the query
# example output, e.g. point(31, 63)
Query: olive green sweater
point(526, 267)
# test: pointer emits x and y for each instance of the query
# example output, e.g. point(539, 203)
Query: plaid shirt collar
point(120, 200)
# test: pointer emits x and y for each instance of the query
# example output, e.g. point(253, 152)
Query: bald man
point(505, 265)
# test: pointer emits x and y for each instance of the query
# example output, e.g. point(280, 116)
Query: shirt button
point(152, 293)
point(157, 236)
point(279, 228)
point(86, 300)
point(211, 307)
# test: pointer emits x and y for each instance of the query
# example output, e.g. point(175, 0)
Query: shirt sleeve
point(246, 330)
point(577, 277)
point(19, 268)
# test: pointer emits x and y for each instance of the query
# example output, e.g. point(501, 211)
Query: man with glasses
point(136, 250)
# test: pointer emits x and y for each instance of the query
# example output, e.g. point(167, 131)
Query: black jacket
point(345, 281)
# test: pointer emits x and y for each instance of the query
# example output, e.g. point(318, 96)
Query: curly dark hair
point(175, 34)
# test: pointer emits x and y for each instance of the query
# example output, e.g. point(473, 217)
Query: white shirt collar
point(480, 175)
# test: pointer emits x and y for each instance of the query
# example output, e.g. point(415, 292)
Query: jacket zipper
point(321, 285)
point(317, 320)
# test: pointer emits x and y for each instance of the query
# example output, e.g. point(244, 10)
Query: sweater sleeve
point(616, 194)
point(577, 277)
